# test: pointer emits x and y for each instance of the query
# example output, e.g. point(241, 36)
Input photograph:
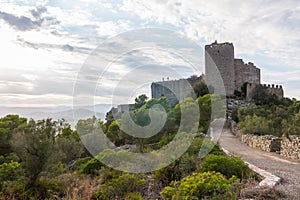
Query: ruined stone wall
point(272, 89)
point(245, 73)
point(290, 147)
point(267, 143)
point(221, 55)
point(174, 90)
point(250, 91)
point(234, 72)
point(239, 75)
point(125, 107)
point(275, 89)
point(251, 73)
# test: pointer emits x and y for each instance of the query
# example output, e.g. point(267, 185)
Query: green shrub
point(12, 189)
point(256, 125)
point(44, 189)
point(92, 166)
point(106, 174)
point(9, 171)
point(79, 164)
point(200, 186)
point(121, 186)
point(134, 196)
point(168, 192)
point(187, 163)
point(232, 166)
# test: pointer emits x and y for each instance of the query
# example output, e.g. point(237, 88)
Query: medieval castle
point(234, 72)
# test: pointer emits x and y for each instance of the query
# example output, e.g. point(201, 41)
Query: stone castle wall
point(275, 89)
point(234, 72)
point(174, 90)
point(125, 108)
point(222, 56)
point(245, 73)
point(272, 89)
point(239, 76)
point(219, 58)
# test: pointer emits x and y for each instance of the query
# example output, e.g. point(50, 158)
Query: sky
point(46, 45)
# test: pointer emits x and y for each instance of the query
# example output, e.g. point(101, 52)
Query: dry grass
point(79, 187)
point(262, 193)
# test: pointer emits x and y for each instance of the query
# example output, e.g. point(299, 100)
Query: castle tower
point(221, 55)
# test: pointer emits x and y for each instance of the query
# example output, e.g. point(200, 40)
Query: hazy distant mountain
point(59, 112)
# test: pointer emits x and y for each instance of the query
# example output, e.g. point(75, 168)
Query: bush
point(256, 125)
point(229, 167)
point(9, 171)
point(200, 186)
point(168, 192)
point(92, 166)
point(44, 188)
point(79, 164)
point(134, 196)
point(188, 162)
point(121, 187)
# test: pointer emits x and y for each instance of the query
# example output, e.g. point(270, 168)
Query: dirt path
point(288, 170)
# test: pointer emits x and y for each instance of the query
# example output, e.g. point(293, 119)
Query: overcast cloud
point(45, 43)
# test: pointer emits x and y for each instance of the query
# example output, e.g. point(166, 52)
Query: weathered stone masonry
point(290, 146)
point(287, 146)
point(234, 72)
point(267, 143)
point(222, 56)
point(174, 90)
point(272, 89)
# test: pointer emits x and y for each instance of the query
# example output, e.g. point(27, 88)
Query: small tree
point(140, 101)
point(35, 144)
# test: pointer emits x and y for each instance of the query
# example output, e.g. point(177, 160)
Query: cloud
point(64, 47)
point(45, 44)
point(268, 28)
point(112, 28)
point(23, 23)
point(20, 23)
point(38, 12)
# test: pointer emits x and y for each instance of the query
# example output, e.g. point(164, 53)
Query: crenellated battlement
point(271, 88)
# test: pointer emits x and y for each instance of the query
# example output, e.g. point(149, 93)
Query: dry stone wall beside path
point(287, 146)
point(290, 147)
point(267, 143)
point(284, 168)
